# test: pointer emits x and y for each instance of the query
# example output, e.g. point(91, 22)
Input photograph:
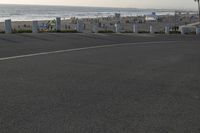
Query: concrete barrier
point(35, 27)
point(187, 29)
point(77, 26)
point(8, 26)
point(166, 30)
point(94, 28)
point(151, 29)
point(135, 28)
point(58, 24)
point(183, 30)
point(198, 31)
point(116, 28)
point(80, 26)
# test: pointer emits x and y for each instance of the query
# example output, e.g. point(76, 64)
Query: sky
point(167, 4)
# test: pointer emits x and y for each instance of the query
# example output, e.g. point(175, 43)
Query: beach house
point(151, 17)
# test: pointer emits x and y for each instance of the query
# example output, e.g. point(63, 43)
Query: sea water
point(35, 12)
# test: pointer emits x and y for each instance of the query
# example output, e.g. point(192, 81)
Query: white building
point(151, 17)
point(189, 28)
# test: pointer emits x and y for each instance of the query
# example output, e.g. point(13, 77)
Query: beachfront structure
point(117, 15)
point(35, 27)
point(167, 30)
point(190, 28)
point(8, 26)
point(198, 31)
point(185, 16)
point(58, 24)
point(135, 28)
point(187, 29)
point(151, 17)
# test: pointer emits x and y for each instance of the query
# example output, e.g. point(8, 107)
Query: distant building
point(187, 29)
point(117, 15)
point(139, 19)
point(151, 17)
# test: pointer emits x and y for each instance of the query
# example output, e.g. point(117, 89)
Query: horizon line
point(99, 7)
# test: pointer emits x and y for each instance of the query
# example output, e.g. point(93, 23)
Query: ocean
point(35, 12)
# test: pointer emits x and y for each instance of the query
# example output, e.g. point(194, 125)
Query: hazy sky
point(180, 4)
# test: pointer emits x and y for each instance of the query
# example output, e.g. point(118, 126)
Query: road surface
point(99, 83)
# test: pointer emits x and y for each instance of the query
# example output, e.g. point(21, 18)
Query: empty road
point(99, 83)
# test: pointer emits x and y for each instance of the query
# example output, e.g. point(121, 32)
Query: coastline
point(108, 23)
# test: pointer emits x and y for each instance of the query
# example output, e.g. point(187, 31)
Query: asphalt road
point(96, 83)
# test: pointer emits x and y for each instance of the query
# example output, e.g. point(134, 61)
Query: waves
point(33, 12)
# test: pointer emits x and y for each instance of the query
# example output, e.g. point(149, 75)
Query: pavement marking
point(79, 49)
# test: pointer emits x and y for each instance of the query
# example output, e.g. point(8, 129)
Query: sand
point(108, 23)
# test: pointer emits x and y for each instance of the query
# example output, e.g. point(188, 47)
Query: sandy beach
point(108, 23)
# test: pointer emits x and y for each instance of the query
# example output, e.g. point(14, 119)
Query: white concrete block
point(77, 27)
point(8, 26)
point(183, 31)
point(166, 30)
point(116, 28)
point(94, 28)
point(198, 31)
point(58, 24)
point(35, 27)
point(151, 29)
point(135, 28)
